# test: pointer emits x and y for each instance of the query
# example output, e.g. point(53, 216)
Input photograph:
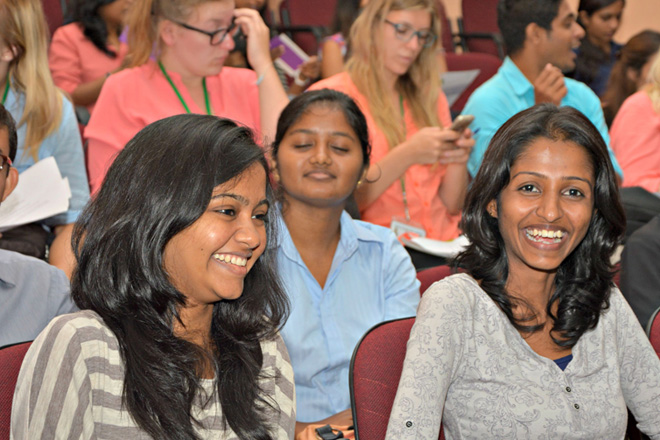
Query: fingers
point(257, 33)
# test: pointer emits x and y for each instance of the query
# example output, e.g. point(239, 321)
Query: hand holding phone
point(461, 123)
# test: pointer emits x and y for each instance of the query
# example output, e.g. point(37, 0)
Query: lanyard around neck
point(4, 95)
point(402, 179)
point(178, 94)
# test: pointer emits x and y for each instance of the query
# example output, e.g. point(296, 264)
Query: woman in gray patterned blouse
point(177, 337)
point(534, 341)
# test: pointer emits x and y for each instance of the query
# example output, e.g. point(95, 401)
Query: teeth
point(231, 259)
point(538, 234)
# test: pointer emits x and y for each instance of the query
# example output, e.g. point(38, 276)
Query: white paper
point(446, 249)
point(41, 193)
point(455, 83)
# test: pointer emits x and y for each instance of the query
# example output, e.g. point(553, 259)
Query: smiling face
point(557, 44)
point(191, 50)
point(319, 160)
point(208, 261)
point(399, 55)
point(545, 210)
point(603, 24)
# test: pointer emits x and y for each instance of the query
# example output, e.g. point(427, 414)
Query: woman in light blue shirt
point(342, 276)
point(45, 121)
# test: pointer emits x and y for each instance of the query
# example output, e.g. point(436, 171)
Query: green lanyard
point(185, 106)
point(402, 179)
point(4, 95)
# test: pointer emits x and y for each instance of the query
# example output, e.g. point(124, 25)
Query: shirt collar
point(348, 240)
point(518, 82)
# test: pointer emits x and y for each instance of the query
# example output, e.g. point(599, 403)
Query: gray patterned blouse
point(468, 368)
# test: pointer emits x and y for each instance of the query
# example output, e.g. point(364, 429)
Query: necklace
point(178, 94)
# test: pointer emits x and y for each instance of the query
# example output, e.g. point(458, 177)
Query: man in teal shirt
point(540, 36)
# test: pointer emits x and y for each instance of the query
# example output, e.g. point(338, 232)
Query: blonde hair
point(24, 31)
point(419, 87)
point(143, 19)
point(654, 81)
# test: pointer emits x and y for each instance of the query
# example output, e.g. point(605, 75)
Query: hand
point(550, 86)
point(461, 153)
point(310, 69)
point(258, 36)
point(432, 145)
point(344, 418)
point(276, 52)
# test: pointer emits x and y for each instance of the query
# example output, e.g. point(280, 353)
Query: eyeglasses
point(6, 161)
point(405, 33)
point(216, 37)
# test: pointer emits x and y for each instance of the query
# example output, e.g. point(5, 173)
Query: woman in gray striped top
point(178, 333)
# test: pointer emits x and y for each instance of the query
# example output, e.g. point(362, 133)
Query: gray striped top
point(71, 382)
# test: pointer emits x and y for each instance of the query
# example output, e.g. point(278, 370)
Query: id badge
point(402, 226)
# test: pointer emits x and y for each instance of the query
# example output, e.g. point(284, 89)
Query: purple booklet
point(292, 57)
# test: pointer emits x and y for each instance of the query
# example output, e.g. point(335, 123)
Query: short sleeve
point(53, 396)
point(64, 60)
point(401, 283)
point(109, 129)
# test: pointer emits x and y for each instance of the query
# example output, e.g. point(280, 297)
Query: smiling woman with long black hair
point(178, 333)
point(535, 340)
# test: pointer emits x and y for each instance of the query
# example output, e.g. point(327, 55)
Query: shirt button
point(416, 184)
point(568, 389)
point(576, 406)
point(409, 424)
point(426, 204)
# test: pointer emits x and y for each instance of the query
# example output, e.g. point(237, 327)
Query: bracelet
point(261, 78)
point(299, 81)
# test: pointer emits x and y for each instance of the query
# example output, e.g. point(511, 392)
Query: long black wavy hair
point(160, 184)
point(584, 278)
point(86, 12)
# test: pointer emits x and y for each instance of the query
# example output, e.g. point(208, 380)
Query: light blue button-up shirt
point(371, 280)
point(31, 294)
point(510, 92)
point(65, 145)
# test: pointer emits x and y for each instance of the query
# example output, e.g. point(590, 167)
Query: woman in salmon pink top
point(635, 135)
point(176, 57)
point(419, 176)
point(83, 53)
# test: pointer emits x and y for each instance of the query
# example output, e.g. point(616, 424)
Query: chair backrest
point(11, 358)
point(480, 16)
point(446, 37)
point(487, 65)
point(374, 376)
point(314, 13)
point(429, 276)
point(653, 330)
point(54, 14)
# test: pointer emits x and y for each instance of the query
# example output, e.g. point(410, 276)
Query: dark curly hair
point(86, 13)
point(159, 185)
point(584, 278)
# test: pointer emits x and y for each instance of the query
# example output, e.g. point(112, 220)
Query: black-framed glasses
point(217, 37)
point(405, 33)
point(5, 161)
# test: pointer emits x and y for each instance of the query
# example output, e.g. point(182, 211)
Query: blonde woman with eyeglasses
point(46, 123)
point(419, 177)
point(177, 51)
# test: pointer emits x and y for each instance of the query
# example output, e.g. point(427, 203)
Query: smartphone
point(461, 123)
